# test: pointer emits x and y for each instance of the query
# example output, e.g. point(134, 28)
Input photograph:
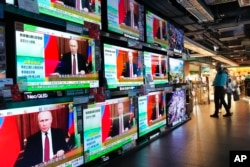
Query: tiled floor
point(201, 142)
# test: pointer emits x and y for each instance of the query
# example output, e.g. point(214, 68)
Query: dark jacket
point(33, 152)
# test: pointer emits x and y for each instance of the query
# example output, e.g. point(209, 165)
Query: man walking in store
point(219, 91)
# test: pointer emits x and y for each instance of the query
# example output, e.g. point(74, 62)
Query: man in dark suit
point(86, 5)
point(120, 124)
point(46, 144)
point(158, 110)
point(72, 62)
point(160, 68)
point(131, 19)
point(161, 31)
point(130, 68)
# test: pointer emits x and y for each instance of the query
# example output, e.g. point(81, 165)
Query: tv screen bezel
point(29, 111)
point(126, 85)
point(179, 37)
point(21, 81)
point(126, 31)
point(163, 44)
point(111, 144)
point(176, 80)
point(164, 80)
point(69, 13)
point(158, 123)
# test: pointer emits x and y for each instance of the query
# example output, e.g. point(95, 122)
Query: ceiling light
point(198, 48)
point(198, 9)
point(225, 60)
point(216, 48)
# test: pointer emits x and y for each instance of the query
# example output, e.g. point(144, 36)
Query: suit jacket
point(116, 126)
point(33, 152)
point(85, 3)
point(164, 34)
point(65, 66)
point(157, 71)
point(126, 70)
point(161, 111)
point(127, 20)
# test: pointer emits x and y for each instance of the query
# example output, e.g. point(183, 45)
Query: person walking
point(219, 84)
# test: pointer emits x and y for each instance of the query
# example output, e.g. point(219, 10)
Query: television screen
point(157, 66)
point(109, 126)
point(176, 70)
point(122, 66)
point(77, 11)
point(43, 135)
point(151, 111)
point(176, 107)
point(156, 30)
point(176, 38)
point(55, 60)
point(126, 17)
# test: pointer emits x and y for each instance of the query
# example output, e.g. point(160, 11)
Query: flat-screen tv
point(126, 17)
point(151, 112)
point(26, 129)
point(176, 39)
point(176, 70)
point(176, 107)
point(54, 60)
point(122, 66)
point(77, 11)
point(156, 65)
point(109, 126)
point(156, 30)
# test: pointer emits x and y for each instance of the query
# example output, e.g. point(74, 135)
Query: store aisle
point(201, 142)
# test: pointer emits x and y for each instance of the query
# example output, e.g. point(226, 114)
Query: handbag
point(236, 95)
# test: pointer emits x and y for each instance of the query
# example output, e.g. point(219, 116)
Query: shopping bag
point(236, 95)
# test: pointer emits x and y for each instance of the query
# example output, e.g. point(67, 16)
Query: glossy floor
point(201, 142)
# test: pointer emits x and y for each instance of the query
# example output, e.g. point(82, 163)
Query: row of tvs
point(81, 133)
point(128, 67)
point(124, 17)
point(48, 64)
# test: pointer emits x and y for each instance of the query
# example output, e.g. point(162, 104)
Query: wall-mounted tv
point(42, 135)
point(156, 30)
point(122, 66)
point(176, 107)
point(126, 17)
point(176, 39)
point(77, 11)
point(109, 126)
point(157, 66)
point(151, 112)
point(176, 70)
point(47, 59)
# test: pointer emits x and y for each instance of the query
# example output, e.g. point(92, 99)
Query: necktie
point(121, 124)
point(131, 70)
point(74, 65)
point(157, 110)
point(132, 19)
point(161, 33)
point(46, 148)
point(78, 4)
point(160, 71)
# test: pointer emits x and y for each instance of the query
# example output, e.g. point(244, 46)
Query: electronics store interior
point(87, 82)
